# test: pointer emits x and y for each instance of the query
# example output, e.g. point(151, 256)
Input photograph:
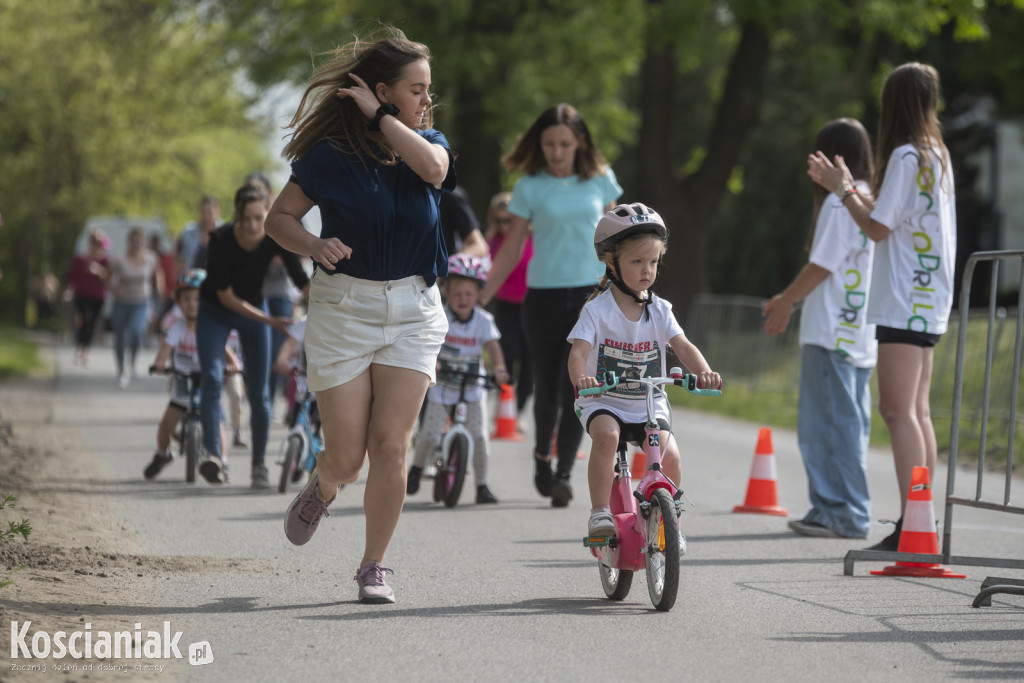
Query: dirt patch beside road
point(77, 566)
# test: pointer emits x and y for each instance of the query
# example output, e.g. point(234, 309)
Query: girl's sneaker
point(484, 495)
point(601, 523)
point(372, 588)
point(158, 463)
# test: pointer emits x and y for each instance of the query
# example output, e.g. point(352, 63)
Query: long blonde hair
point(322, 116)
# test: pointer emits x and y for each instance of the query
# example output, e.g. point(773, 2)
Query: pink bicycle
point(647, 519)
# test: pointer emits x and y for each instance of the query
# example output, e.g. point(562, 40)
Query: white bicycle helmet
point(472, 267)
point(626, 220)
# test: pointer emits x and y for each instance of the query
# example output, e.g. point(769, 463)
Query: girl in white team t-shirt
point(623, 326)
point(471, 332)
point(913, 221)
point(837, 349)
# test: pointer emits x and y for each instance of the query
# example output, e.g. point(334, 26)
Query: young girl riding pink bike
point(623, 332)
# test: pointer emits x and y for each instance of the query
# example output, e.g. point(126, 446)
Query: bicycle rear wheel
point(662, 553)
point(290, 463)
point(191, 443)
point(454, 474)
point(616, 582)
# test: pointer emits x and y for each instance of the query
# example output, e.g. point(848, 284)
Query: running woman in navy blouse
point(363, 151)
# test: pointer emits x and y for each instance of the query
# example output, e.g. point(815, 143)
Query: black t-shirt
point(228, 265)
point(457, 218)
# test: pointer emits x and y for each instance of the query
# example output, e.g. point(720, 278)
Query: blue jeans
point(213, 326)
point(129, 321)
point(279, 307)
point(833, 426)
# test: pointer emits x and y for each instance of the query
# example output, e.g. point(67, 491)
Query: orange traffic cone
point(762, 497)
point(505, 426)
point(918, 534)
point(636, 469)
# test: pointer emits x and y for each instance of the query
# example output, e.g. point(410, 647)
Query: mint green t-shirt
point(564, 213)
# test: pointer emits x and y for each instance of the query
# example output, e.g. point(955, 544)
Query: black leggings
point(508, 317)
point(548, 317)
point(89, 310)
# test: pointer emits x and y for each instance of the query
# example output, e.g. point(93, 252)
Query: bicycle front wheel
point(456, 461)
point(191, 443)
point(616, 582)
point(662, 551)
point(290, 463)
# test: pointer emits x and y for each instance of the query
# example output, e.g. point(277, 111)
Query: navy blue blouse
point(388, 215)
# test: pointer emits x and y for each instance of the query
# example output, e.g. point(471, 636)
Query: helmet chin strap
point(614, 279)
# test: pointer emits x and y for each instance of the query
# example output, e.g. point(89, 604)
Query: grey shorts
point(354, 323)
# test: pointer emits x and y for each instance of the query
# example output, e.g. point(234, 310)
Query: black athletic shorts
point(892, 335)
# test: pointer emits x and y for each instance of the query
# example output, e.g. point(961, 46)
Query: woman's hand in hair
point(362, 95)
point(329, 251)
point(825, 173)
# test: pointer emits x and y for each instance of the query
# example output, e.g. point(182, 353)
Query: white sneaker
point(601, 523)
point(682, 543)
point(122, 382)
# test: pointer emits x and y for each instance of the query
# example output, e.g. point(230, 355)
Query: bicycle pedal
point(599, 541)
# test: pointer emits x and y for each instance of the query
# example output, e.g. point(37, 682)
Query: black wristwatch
point(382, 111)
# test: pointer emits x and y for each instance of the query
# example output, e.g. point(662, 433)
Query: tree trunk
point(690, 205)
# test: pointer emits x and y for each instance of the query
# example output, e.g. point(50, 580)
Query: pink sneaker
point(303, 515)
point(372, 589)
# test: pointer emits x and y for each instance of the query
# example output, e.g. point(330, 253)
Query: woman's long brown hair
point(910, 115)
point(322, 116)
point(847, 138)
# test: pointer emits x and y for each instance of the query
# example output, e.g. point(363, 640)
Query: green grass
point(767, 393)
point(18, 354)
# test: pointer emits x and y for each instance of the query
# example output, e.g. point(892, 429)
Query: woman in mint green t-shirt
point(565, 192)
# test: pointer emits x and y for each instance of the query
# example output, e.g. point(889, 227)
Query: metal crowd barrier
point(992, 584)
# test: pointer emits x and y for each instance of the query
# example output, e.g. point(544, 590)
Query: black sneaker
point(210, 470)
point(412, 482)
point(542, 478)
point(484, 495)
point(158, 463)
point(561, 491)
point(890, 543)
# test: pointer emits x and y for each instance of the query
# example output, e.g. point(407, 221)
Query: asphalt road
point(508, 593)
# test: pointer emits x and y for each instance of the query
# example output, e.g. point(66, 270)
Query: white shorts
point(353, 323)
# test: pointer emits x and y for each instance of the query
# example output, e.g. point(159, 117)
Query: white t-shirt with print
point(463, 351)
point(184, 358)
point(618, 344)
point(912, 286)
point(833, 314)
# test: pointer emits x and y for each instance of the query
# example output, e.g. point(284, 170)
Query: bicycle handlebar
point(687, 382)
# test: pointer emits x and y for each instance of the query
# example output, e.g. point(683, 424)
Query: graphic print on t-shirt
point(451, 359)
point(640, 359)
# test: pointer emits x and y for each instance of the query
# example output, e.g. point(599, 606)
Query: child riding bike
point(625, 329)
point(471, 331)
point(179, 346)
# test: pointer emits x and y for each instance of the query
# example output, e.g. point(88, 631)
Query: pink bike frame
point(626, 550)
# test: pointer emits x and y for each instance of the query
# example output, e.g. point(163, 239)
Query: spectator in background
point(231, 299)
point(509, 300)
point(193, 241)
point(565, 191)
point(459, 225)
point(86, 281)
point(162, 287)
point(130, 279)
point(278, 291)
